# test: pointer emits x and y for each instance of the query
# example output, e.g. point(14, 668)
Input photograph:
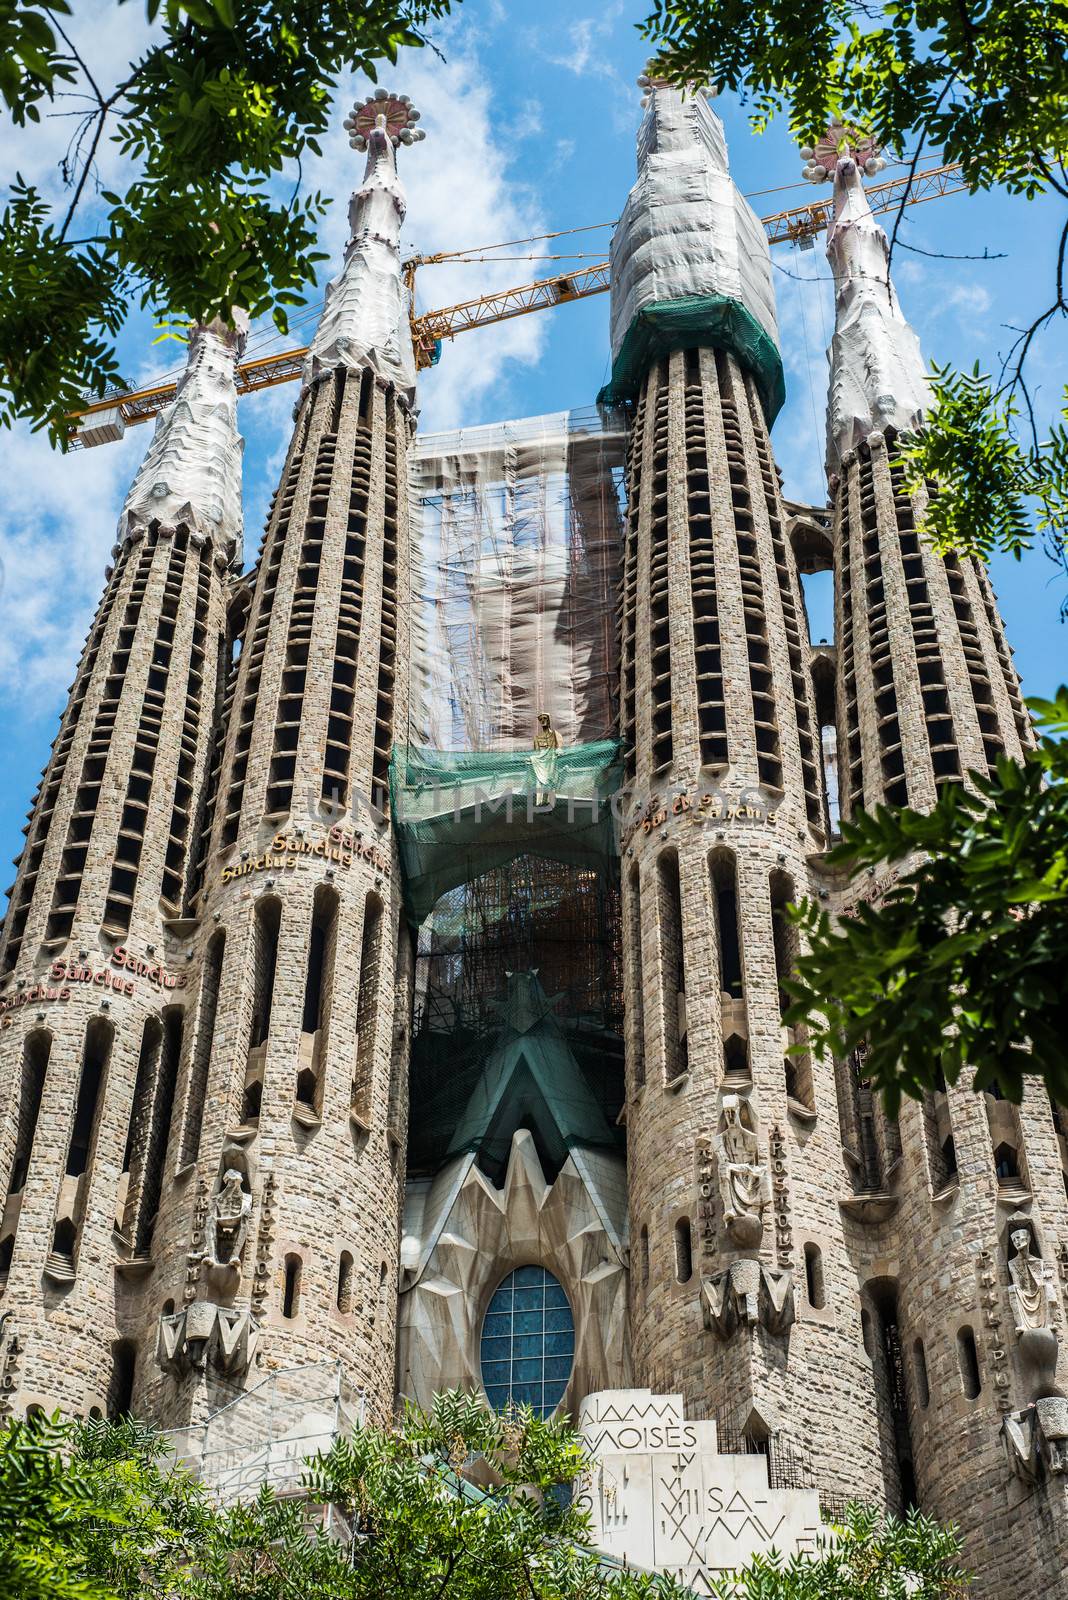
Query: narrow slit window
point(683, 1251)
point(968, 1358)
point(814, 1285)
point(291, 1287)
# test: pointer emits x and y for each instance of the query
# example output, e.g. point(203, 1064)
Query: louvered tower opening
point(765, 717)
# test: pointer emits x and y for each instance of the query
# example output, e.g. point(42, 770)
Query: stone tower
point(281, 1229)
point(962, 1209)
point(738, 1245)
point(96, 959)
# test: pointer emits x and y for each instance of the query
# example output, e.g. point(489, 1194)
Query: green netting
point(707, 319)
point(457, 814)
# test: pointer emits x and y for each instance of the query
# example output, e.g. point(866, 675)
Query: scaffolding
point(265, 1435)
point(530, 915)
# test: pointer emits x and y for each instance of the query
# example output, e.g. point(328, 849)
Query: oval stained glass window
point(528, 1342)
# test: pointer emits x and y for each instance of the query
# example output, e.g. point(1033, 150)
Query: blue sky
point(530, 122)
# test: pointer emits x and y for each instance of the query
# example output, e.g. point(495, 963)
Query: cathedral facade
point(393, 975)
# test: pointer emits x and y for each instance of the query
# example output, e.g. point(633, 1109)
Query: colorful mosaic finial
point(393, 113)
point(840, 143)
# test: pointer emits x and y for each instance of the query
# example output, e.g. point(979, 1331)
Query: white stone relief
point(662, 1497)
point(1032, 1294)
point(463, 1235)
point(743, 1178)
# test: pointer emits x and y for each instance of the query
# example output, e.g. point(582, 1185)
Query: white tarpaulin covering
point(877, 378)
point(516, 544)
point(686, 230)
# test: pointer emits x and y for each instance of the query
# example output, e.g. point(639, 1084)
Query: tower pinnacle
point(365, 320)
point(191, 473)
point(877, 378)
point(690, 262)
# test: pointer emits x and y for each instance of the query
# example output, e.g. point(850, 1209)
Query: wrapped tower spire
point(191, 474)
point(689, 259)
point(877, 378)
point(365, 321)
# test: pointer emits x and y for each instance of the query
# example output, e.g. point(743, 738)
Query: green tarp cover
point(708, 319)
point(456, 814)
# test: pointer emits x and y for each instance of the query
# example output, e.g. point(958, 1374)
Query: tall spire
point(191, 473)
point(690, 262)
point(877, 378)
point(365, 321)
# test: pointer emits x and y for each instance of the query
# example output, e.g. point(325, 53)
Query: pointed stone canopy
point(877, 378)
point(365, 321)
point(191, 473)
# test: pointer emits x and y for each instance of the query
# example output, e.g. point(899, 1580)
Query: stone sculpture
point(746, 1294)
point(742, 1175)
point(227, 1224)
point(1031, 1292)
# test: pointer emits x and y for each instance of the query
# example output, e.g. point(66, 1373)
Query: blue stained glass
point(528, 1341)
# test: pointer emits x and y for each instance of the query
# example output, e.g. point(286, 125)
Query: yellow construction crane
point(107, 419)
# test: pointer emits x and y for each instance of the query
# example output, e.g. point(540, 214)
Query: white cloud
point(584, 56)
point(57, 531)
point(528, 122)
point(970, 300)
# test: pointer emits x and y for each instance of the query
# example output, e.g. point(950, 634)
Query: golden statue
point(545, 761)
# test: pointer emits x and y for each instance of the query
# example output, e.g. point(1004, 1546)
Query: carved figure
point(227, 1226)
point(545, 762)
point(741, 1174)
point(1031, 1292)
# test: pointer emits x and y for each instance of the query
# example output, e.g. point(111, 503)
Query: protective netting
point(516, 539)
point(456, 814)
point(265, 1435)
point(690, 262)
point(518, 1017)
point(711, 319)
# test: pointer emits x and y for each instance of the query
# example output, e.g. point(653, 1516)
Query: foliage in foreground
point(90, 1511)
point(214, 119)
point(963, 963)
point(872, 1558)
point(990, 490)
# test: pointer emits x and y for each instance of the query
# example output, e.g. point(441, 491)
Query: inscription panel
point(664, 1498)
